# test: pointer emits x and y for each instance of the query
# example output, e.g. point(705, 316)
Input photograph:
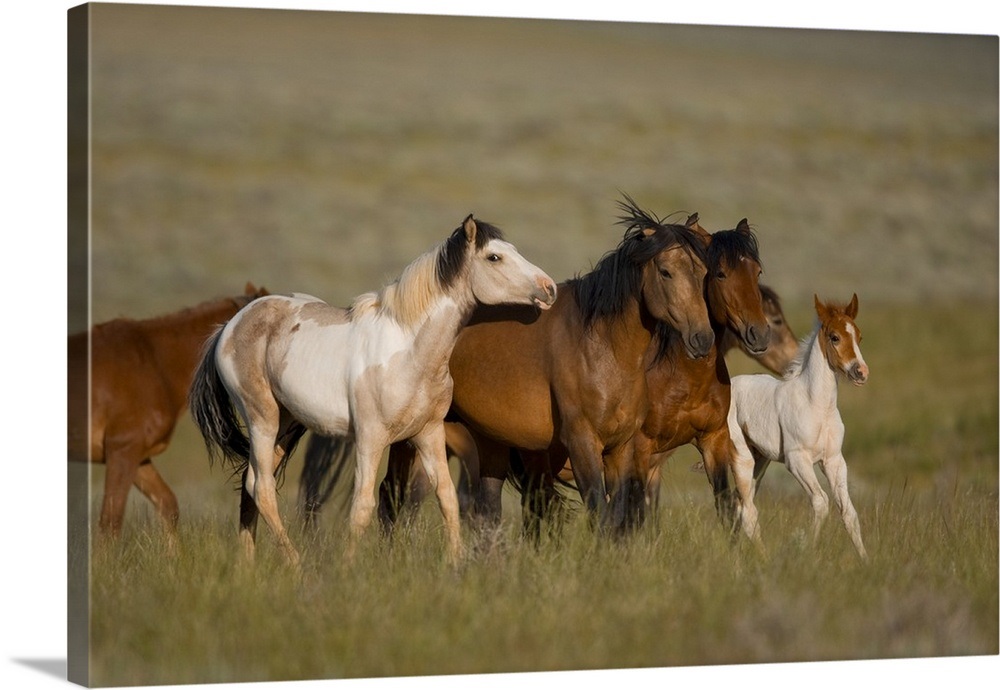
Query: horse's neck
point(629, 334)
point(816, 377)
point(437, 332)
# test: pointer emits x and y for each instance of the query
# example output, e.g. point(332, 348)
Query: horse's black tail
point(326, 459)
point(214, 414)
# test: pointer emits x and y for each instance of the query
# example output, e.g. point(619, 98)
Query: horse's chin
point(542, 305)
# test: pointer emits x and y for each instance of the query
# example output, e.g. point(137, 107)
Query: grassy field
point(322, 152)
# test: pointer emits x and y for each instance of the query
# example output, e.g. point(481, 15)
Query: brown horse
point(140, 372)
point(689, 398)
point(571, 380)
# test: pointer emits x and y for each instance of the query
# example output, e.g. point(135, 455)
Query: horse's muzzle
point(757, 339)
point(858, 374)
point(545, 295)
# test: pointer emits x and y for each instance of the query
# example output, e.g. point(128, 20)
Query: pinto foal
point(795, 420)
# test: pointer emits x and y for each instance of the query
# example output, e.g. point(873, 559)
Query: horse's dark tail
point(326, 459)
point(214, 414)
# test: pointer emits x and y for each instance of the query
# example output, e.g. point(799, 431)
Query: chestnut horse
point(571, 381)
point(795, 420)
point(139, 372)
point(377, 372)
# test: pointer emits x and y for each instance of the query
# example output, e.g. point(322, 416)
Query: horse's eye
point(493, 257)
point(779, 322)
point(720, 275)
point(665, 273)
point(834, 338)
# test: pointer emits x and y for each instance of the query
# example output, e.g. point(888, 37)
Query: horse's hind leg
point(265, 458)
point(248, 512)
point(461, 444)
point(121, 464)
point(393, 491)
point(430, 445)
point(152, 486)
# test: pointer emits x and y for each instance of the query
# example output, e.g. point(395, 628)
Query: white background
point(33, 280)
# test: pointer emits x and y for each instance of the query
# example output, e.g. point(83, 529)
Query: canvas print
point(409, 345)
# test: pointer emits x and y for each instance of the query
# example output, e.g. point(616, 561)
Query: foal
point(795, 420)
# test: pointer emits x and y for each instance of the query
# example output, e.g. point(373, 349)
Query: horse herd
point(475, 352)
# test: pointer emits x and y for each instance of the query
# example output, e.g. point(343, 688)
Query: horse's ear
point(743, 226)
point(648, 232)
point(852, 308)
point(692, 220)
point(249, 289)
point(821, 309)
point(469, 225)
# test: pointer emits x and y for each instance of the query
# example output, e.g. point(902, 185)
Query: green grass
point(679, 593)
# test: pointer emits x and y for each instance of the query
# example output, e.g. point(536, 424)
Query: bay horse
point(376, 372)
point(571, 380)
point(688, 397)
point(795, 420)
point(139, 374)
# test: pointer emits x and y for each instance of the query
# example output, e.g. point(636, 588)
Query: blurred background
point(322, 151)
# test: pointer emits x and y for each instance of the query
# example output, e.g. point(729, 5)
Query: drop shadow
point(56, 668)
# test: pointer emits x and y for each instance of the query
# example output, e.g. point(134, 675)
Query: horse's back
point(295, 349)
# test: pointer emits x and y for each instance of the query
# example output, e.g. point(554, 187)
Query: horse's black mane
point(606, 290)
point(452, 255)
point(731, 246)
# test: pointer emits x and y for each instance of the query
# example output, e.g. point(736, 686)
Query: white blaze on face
point(857, 361)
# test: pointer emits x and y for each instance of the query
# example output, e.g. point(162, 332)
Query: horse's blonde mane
point(408, 298)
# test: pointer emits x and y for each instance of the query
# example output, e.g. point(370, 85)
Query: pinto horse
point(571, 381)
point(377, 372)
point(795, 420)
point(139, 372)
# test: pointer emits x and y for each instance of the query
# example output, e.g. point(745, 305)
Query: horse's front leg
point(370, 446)
point(624, 477)
point(430, 446)
point(586, 457)
point(835, 469)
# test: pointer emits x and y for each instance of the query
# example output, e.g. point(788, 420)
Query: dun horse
point(377, 372)
point(572, 381)
point(140, 372)
point(795, 420)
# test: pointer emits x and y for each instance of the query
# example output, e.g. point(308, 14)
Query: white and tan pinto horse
point(377, 371)
point(795, 420)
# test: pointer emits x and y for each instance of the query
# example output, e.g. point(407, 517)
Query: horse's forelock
point(732, 245)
